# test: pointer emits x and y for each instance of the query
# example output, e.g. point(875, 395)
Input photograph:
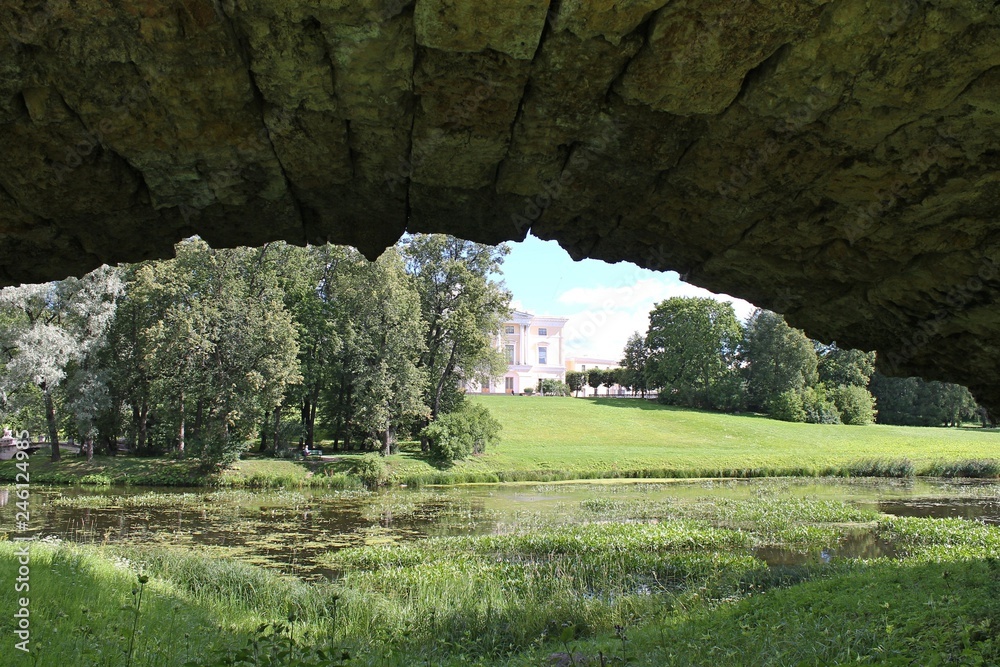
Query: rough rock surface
point(835, 160)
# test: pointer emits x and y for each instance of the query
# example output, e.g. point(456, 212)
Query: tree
point(576, 381)
point(310, 279)
point(51, 330)
point(595, 378)
point(855, 404)
point(777, 358)
point(844, 367)
point(612, 378)
point(205, 335)
point(379, 382)
point(634, 364)
point(916, 402)
point(462, 308)
point(692, 346)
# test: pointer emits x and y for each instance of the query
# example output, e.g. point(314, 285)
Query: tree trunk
point(199, 417)
point(143, 422)
point(388, 438)
point(180, 430)
point(50, 419)
point(311, 417)
point(304, 409)
point(276, 432)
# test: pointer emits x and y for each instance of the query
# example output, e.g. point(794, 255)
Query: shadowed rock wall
point(834, 160)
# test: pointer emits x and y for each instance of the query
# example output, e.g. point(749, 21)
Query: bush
point(787, 406)
point(818, 406)
point(216, 447)
point(372, 471)
point(529, 391)
point(552, 387)
point(458, 435)
point(855, 404)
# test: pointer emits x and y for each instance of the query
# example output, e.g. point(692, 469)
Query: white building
point(534, 348)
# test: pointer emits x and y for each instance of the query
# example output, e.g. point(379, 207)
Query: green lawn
point(550, 439)
point(625, 437)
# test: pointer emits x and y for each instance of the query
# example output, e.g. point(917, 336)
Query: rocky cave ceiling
point(834, 160)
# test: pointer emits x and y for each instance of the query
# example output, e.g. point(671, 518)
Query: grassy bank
point(678, 585)
point(552, 439)
point(548, 439)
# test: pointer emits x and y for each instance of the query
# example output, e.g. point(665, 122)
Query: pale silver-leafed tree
point(49, 330)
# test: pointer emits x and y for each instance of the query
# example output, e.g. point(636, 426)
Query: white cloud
point(607, 315)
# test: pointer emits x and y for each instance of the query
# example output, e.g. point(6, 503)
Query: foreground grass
point(551, 439)
point(677, 591)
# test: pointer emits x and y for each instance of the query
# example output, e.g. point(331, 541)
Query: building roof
point(524, 317)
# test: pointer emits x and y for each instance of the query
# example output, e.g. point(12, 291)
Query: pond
point(289, 530)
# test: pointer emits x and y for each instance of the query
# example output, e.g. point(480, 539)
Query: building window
point(542, 331)
point(508, 385)
point(583, 369)
point(509, 331)
point(510, 354)
point(543, 355)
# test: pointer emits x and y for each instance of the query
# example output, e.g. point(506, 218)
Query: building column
point(524, 345)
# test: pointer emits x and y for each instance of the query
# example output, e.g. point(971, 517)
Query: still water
point(289, 529)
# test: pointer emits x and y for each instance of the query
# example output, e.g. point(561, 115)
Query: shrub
point(787, 406)
point(458, 435)
point(818, 406)
point(216, 447)
point(372, 471)
point(855, 404)
point(552, 387)
point(529, 391)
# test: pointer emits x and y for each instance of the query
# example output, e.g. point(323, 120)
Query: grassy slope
point(604, 435)
point(564, 438)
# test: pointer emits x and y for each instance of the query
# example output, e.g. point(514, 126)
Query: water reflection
point(855, 544)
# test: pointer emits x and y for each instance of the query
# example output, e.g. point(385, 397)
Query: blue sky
point(604, 302)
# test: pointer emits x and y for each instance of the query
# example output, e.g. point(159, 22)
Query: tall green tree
point(776, 358)
point(207, 343)
point(634, 364)
point(462, 308)
point(844, 367)
point(916, 402)
point(311, 278)
point(379, 383)
point(692, 346)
